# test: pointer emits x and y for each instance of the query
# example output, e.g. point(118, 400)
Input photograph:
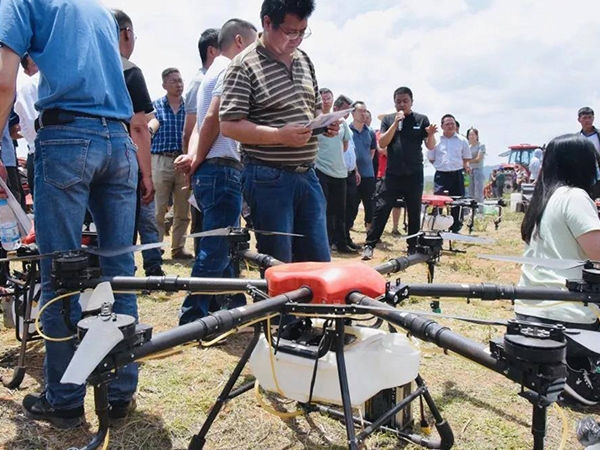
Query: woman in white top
point(562, 222)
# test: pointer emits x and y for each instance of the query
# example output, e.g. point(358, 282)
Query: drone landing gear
point(23, 335)
point(445, 442)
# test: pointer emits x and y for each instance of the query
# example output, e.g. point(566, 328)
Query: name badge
point(417, 127)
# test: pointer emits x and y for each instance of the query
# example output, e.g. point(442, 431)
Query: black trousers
point(351, 202)
point(364, 193)
point(335, 195)
point(393, 187)
point(14, 184)
point(453, 184)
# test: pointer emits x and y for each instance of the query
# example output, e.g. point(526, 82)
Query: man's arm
point(188, 128)
point(9, 67)
point(246, 132)
point(208, 133)
point(386, 136)
point(430, 139)
point(141, 137)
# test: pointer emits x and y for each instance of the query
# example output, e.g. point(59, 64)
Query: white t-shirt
point(570, 213)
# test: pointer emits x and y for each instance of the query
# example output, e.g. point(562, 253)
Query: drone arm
point(219, 322)
point(402, 263)
point(262, 260)
point(486, 291)
point(170, 284)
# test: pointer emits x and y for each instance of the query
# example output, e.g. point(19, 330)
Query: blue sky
point(516, 69)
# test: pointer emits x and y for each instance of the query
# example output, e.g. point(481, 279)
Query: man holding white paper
point(270, 93)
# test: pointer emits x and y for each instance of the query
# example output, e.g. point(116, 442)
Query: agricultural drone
point(323, 345)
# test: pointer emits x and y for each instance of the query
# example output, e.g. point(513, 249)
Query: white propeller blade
point(103, 293)
point(465, 238)
point(560, 264)
point(100, 339)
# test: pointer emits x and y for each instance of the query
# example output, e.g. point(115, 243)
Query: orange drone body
point(330, 283)
point(436, 200)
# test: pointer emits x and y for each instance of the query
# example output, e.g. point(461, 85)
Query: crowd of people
point(237, 136)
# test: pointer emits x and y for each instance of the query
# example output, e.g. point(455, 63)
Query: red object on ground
point(330, 283)
point(436, 200)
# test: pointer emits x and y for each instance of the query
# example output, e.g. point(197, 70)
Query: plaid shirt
point(169, 136)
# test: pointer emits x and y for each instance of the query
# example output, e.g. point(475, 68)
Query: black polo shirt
point(405, 155)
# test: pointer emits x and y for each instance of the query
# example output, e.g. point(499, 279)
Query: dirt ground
point(175, 393)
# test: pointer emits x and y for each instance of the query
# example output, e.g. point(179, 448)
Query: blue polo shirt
point(75, 43)
point(364, 141)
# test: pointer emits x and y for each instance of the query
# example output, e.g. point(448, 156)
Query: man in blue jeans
point(217, 171)
point(84, 157)
point(266, 110)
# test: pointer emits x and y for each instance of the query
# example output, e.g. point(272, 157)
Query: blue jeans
point(477, 183)
point(148, 231)
point(87, 163)
point(288, 202)
point(218, 191)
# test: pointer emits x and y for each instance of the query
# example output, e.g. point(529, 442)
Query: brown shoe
point(182, 254)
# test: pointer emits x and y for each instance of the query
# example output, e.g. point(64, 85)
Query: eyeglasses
point(293, 35)
point(129, 29)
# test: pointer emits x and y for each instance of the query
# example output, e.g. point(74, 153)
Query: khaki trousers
point(167, 182)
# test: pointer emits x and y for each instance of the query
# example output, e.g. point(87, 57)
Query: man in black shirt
point(142, 105)
point(403, 134)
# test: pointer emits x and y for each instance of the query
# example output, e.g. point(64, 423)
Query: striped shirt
point(168, 138)
point(262, 90)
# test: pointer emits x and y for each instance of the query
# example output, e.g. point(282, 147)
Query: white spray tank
point(375, 360)
point(437, 222)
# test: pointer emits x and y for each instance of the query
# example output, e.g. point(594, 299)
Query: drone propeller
point(109, 252)
point(104, 252)
point(227, 231)
point(102, 336)
point(93, 301)
point(410, 236)
point(461, 237)
point(559, 264)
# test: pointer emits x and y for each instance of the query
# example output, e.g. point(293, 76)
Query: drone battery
point(384, 401)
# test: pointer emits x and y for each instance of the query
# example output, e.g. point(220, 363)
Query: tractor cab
point(520, 155)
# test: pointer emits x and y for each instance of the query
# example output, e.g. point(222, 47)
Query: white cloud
point(516, 69)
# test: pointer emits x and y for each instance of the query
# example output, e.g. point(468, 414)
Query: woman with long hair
point(562, 222)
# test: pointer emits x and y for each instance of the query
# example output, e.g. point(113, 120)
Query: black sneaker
point(581, 385)
point(346, 249)
point(367, 253)
point(120, 410)
point(352, 245)
point(36, 407)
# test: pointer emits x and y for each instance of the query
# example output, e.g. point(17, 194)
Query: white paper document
point(324, 120)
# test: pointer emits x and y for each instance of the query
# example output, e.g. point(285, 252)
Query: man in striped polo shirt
point(270, 92)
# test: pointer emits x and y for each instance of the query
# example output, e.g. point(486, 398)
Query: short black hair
point(231, 29)
point(586, 110)
point(168, 71)
point(325, 91)
point(341, 100)
point(403, 90)
point(445, 116)
point(359, 102)
point(208, 38)
point(122, 19)
point(277, 9)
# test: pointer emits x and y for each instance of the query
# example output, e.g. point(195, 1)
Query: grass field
point(176, 393)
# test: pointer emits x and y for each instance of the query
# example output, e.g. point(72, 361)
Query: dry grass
point(176, 393)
